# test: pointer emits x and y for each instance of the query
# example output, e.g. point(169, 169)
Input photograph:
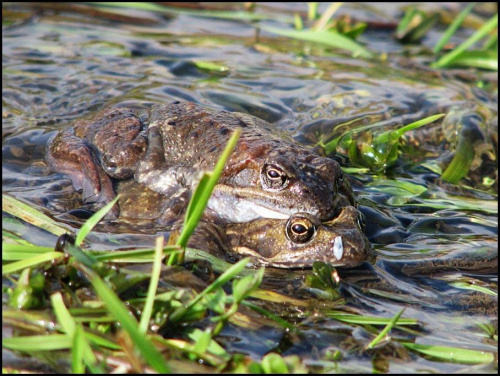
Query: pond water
point(62, 62)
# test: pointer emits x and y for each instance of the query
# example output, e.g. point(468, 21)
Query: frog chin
point(238, 210)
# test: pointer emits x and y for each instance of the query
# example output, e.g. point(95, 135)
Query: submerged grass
point(326, 30)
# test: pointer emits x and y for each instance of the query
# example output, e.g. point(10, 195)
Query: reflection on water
point(57, 68)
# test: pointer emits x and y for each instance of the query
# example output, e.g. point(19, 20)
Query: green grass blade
point(80, 256)
point(28, 214)
point(31, 262)
point(297, 21)
point(101, 342)
point(23, 248)
point(128, 323)
point(312, 10)
point(384, 331)
point(38, 343)
point(405, 22)
point(15, 256)
point(210, 66)
point(18, 252)
point(450, 203)
point(212, 347)
point(400, 188)
point(196, 208)
point(81, 351)
point(218, 265)
point(243, 287)
point(418, 124)
point(285, 324)
point(452, 354)
point(221, 280)
point(327, 37)
point(134, 255)
point(77, 352)
point(417, 32)
point(92, 221)
point(153, 284)
point(326, 16)
point(183, 346)
point(63, 316)
point(471, 286)
point(491, 42)
point(453, 27)
point(202, 341)
point(273, 363)
point(236, 15)
point(367, 320)
point(482, 32)
point(477, 59)
point(197, 196)
point(460, 164)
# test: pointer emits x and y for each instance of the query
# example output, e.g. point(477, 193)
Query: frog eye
point(300, 230)
point(273, 177)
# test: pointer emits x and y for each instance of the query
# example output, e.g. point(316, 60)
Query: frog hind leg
point(67, 154)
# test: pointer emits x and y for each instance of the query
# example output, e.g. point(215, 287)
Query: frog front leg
point(116, 137)
point(156, 173)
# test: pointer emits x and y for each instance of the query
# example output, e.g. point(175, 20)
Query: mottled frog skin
point(295, 242)
point(276, 200)
point(301, 240)
point(268, 175)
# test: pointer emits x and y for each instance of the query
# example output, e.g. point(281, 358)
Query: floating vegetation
point(374, 150)
point(328, 37)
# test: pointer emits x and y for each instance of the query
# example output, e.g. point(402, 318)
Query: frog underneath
point(295, 242)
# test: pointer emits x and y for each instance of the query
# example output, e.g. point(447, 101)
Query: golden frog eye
point(300, 230)
point(273, 177)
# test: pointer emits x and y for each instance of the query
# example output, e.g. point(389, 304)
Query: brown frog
point(297, 241)
point(301, 240)
point(268, 175)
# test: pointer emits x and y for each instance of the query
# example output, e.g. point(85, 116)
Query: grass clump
point(374, 150)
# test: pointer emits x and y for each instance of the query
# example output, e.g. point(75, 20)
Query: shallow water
point(61, 64)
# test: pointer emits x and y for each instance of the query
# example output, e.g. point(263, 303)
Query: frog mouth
point(337, 250)
point(230, 204)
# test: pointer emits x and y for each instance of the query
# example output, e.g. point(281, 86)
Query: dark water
point(61, 64)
